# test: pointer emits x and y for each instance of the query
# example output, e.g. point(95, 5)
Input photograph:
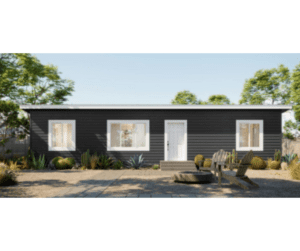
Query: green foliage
point(232, 157)
point(185, 98)
point(39, 163)
point(295, 92)
point(155, 167)
point(197, 159)
point(24, 80)
point(105, 162)
point(294, 169)
point(86, 159)
point(63, 163)
point(258, 163)
point(218, 100)
point(118, 164)
point(207, 163)
point(277, 155)
point(137, 161)
point(289, 157)
point(291, 129)
point(273, 85)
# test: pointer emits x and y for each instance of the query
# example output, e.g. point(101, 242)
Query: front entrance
point(176, 140)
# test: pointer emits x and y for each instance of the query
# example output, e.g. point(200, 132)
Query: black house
point(159, 132)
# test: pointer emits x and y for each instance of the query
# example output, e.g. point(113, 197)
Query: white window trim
point(261, 135)
point(166, 155)
point(146, 148)
point(50, 123)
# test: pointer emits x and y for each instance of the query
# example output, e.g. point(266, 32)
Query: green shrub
point(105, 162)
point(118, 164)
point(197, 159)
point(137, 161)
point(61, 163)
point(275, 165)
point(258, 163)
point(86, 159)
point(207, 163)
point(155, 167)
point(7, 177)
point(294, 168)
point(39, 163)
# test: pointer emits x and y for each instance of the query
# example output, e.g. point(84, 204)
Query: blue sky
point(156, 78)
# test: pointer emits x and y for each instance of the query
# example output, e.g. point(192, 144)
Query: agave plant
point(39, 163)
point(136, 161)
point(288, 158)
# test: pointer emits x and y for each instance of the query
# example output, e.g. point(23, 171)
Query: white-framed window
point(61, 135)
point(249, 135)
point(128, 135)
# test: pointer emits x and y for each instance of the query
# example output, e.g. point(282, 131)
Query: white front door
point(176, 140)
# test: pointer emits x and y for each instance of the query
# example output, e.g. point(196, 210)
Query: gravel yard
point(143, 183)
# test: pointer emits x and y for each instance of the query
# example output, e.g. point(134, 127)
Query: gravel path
point(144, 184)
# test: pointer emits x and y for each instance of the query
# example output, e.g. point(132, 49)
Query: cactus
point(232, 157)
point(277, 155)
point(85, 158)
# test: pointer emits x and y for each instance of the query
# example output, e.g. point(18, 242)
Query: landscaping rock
point(193, 177)
point(284, 166)
point(51, 166)
point(77, 166)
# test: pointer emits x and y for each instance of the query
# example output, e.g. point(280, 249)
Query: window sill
point(61, 149)
point(131, 149)
point(249, 149)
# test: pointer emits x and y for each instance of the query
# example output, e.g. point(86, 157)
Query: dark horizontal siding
point(208, 131)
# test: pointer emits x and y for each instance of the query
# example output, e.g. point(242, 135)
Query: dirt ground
point(42, 184)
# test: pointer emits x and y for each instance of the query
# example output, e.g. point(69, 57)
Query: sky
point(156, 78)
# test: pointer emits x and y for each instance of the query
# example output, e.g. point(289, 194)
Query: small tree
point(186, 98)
point(273, 85)
point(218, 100)
point(291, 129)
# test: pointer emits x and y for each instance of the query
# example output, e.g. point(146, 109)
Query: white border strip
point(200, 107)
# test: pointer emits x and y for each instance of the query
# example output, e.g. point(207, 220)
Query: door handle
point(168, 145)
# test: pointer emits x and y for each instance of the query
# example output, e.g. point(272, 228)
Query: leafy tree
point(25, 80)
point(186, 98)
point(218, 100)
point(295, 91)
point(273, 85)
point(291, 129)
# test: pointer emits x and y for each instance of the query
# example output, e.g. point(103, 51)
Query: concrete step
point(177, 165)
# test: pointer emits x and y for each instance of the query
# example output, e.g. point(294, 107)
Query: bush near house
point(118, 164)
point(207, 163)
point(155, 167)
point(258, 163)
point(294, 168)
point(63, 163)
point(8, 176)
point(197, 159)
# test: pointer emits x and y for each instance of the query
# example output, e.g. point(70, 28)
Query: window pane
point(115, 135)
point(254, 135)
point(56, 135)
point(126, 136)
point(244, 135)
point(140, 135)
point(67, 135)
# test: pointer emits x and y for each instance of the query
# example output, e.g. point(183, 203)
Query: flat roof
point(158, 107)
